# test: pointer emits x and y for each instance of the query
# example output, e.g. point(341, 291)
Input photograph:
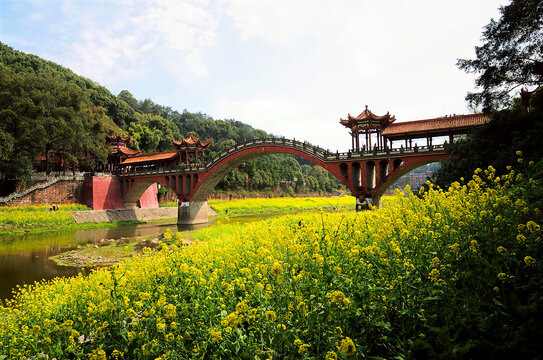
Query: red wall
point(104, 193)
point(149, 199)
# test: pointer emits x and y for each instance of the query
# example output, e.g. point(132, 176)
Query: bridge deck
point(314, 151)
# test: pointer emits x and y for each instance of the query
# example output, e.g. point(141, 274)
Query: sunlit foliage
point(37, 215)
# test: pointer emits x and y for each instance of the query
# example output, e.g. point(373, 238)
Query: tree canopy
point(511, 56)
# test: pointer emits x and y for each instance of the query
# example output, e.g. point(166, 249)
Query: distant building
point(417, 180)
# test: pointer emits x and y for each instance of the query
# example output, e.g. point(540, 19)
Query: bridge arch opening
point(404, 171)
point(384, 169)
point(207, 181)
point(344, 169)
point(144, 193)
point(396, 164)
point(356, 171)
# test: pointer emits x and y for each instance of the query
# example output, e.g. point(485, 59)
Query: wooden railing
point(312, 150)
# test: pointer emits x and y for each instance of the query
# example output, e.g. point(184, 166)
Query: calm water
point(24, 258)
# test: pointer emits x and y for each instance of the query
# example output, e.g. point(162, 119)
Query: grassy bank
point(13, 218)
point(455, 274)
point(35, 218)
point(259, 206)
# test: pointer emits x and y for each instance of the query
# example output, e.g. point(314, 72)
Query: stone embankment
point(137, 214)
point(117, 215)
point(55, 190)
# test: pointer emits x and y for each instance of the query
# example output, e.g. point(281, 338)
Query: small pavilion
point(367, 123)
point(189, 151)
point(119, 151)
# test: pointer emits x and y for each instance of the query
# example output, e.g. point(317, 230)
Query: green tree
point(496, 143)
point(510, 57)
point(19, 125)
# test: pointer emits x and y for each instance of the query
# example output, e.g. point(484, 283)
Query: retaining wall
point(125, 215)
point(61, 192)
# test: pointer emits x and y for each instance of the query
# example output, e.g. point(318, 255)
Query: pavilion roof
point(437, 126)
point(150, 158)
point(127, 151)
point(367, 118)
point(191, 142)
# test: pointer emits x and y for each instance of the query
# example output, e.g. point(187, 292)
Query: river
point(24, 258)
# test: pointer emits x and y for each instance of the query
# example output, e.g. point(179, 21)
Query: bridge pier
point(376, 201)
point(362, 202)
point(194, 212)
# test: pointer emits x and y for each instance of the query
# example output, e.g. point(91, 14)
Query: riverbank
point(106, 252)
point(36, 218)
point(324, 284)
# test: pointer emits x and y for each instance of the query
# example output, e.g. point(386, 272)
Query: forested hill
point(47, 109)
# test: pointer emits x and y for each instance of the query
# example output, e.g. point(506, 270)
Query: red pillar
point(377, 173)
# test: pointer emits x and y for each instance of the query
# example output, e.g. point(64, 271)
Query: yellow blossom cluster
point(316, 285)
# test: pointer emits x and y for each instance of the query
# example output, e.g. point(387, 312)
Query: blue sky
point(290, 67)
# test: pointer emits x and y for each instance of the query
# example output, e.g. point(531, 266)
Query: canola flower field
point(282, 204)
point(453, 273)
point(37, 216)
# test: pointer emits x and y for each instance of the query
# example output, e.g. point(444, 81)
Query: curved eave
point(150, 158)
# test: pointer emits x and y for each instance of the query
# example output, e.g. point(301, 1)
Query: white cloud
point(395, 56)
point(36, 16)
point(287, 117)
point(112, 43)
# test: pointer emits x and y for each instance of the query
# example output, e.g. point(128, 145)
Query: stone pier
point(194, 212)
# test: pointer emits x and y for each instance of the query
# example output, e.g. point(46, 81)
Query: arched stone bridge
point(367, 174)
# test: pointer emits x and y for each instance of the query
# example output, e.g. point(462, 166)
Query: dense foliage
point(450, 274)
point(496, 142)
point(511, 55)
point(46, 109)
point(40, 115)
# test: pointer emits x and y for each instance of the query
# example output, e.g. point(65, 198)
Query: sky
point(289, 67)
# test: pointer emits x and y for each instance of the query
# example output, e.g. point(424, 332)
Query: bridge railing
point(310, 149)
point(323, 154)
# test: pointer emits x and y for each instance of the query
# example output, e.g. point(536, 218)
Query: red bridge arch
point(366, 175)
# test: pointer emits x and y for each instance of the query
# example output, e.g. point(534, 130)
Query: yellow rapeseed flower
point(530, 261)
point(347, 347)
point(270, 315)
point(277, 269)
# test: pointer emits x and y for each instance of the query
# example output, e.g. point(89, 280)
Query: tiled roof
point(442, 124)
point(150, 157)
point(191, 142)
point(128, 152)
point(367, 117)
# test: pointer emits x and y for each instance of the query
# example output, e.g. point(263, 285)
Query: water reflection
point(24, 258)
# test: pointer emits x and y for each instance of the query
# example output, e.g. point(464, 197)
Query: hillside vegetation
point(46, 109)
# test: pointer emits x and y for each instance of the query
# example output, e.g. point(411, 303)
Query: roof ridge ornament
point(367, 118)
